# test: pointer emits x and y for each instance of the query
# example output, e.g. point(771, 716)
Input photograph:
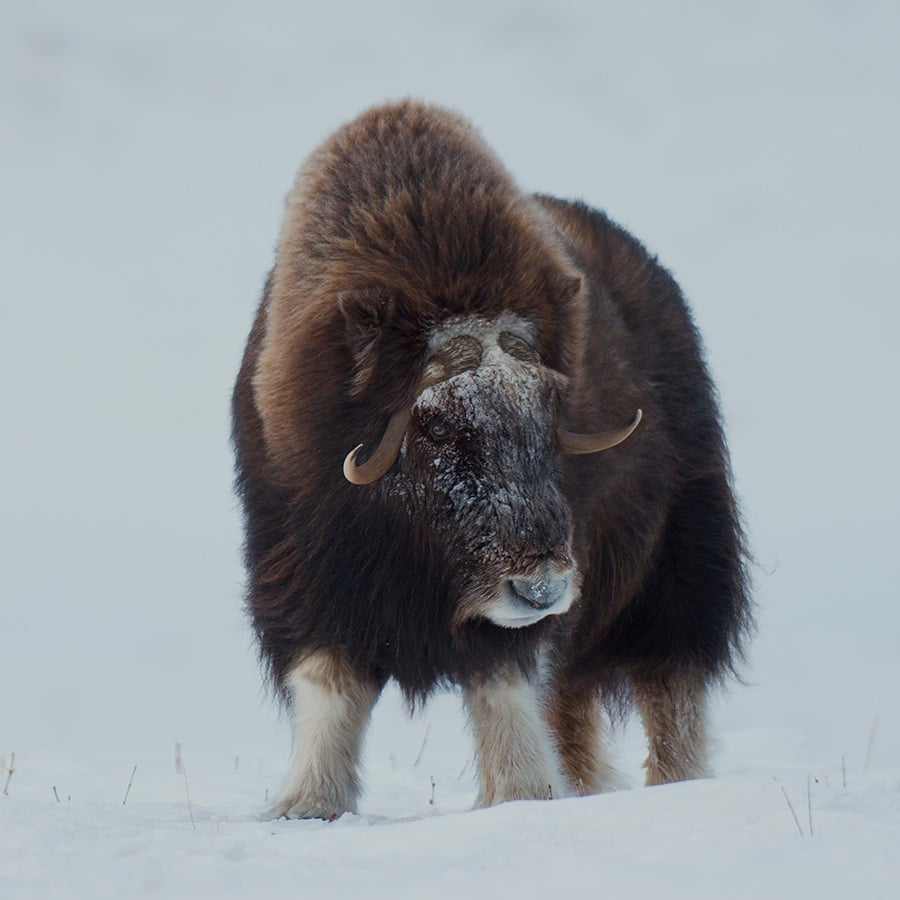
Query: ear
point(365, 313)
point(569, 286)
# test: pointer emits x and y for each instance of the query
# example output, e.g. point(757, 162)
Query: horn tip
point(350, 468)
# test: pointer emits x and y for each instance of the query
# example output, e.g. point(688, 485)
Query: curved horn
point(461, 353)
point(602, 440)
point(383, 457)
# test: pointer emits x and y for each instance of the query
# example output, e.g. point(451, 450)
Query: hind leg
point(578, 726)
point(673, 708)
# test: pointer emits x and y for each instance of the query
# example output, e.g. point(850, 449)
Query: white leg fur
point(331, 708)
point(517, 760)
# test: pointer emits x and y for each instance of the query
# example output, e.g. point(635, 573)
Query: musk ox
point(477, 444)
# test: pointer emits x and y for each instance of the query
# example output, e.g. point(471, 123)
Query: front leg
point(515, 753)
point(330, 707)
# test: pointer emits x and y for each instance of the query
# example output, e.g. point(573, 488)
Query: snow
point(734, 836)
point(145, 152)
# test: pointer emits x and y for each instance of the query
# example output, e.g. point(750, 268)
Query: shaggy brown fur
point(400, 224)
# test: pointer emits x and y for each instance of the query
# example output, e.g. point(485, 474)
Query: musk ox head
point(478, 461)
point(416, 285)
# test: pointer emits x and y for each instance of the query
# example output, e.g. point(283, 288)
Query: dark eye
point(439, 431)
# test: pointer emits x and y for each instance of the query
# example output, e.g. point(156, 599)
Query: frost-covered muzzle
point(480, 463)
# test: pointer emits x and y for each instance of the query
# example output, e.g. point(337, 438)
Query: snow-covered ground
point(144, 152)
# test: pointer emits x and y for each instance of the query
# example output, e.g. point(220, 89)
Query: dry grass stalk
point(187, 791)
point(128, 789)
point(872, 735)
point(10, 772)
point(180, 769)
point(790, 805)
point(809, 804)
point(422, 748)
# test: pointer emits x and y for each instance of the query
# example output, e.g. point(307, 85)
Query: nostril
point(540, 593)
